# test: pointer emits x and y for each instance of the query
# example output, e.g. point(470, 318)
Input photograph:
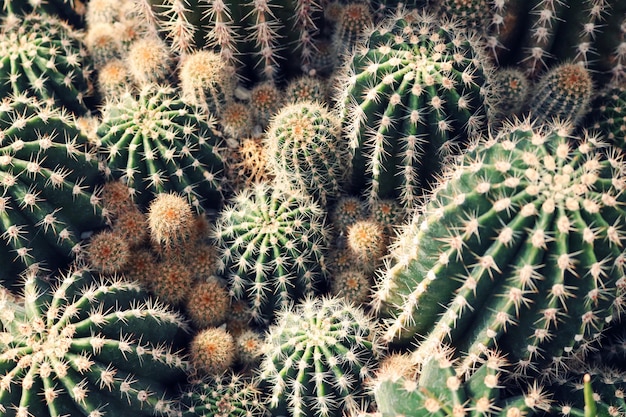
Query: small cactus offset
point(156, 143)
point(521, 246)
point(410, 95)
point(305, 150)
point(48, 177)
point(44, 57)
point(316, 358)
point(87, 346)
point(272, 245)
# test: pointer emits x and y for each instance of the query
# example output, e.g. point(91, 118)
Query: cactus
point(70, 11)
point(88, 346)
point(410, 96)
point(564, 92)
point(108, 252)
point(272, 245)
point(212, 351)
point(49, 178)
point(208, 303)
point(157, 144)
point(44, 57)
point(265, 100)
point(512, 90)
point(148, 61)
point(227, 394)
point(346, 211)
point(435, 387)
point(520, 247)
point(353, 20)
point(316, 358)
point(170, 221)
point(608, 114)
point(305, 88)
point(305, 150)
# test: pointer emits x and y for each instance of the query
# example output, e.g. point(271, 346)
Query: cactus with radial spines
point(412, 93)
point(263, 40)
point(44, 57)
point(305, 149)
point(272, 244)
point(48, 180)
point(227, 394)
point(157, 143)
point(436, 387)
point(317, 357)
point(88, 346)
point(70, 11)
point(521, 246)
point(608, 114)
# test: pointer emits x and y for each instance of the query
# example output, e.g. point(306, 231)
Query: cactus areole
point(520, 247)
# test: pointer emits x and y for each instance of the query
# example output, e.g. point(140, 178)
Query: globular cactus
point(564, 92)
point(88, 346)
point(272, 244)
point(70, 11)
point(436, 387)
point(521, 246)
point(305, 150)
point(410, 95)
point(316, 358)
point(49, 178)
point(44, 57)
point(608, 114)
point(512, 88)
point(156, 143)
point(212, 351)
point(227, 394)
point(266, 99)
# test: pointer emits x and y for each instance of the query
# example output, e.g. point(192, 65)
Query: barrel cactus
point(520, 247)
point(87, 346)
point(316, 358)
point(48, 177)
point(272, 245)
point(411, 94)
point(608, 114)
point(43, 56)
point(156, 143)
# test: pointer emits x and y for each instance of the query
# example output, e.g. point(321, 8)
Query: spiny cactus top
point(43, 56)
point(157, 143)
point(272, 245)
point(521, 246)
point(72, 11)
point(87, 346)
point(316, 358)
point(48, 177)
point(411, 94)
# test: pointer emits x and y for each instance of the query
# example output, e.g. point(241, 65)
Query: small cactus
point(170, 221)
point(212, 351)
point(208, 304)
point(272, 245)
point(88, 346)
point(316, 358)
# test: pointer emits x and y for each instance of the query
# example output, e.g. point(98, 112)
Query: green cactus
point(410, 96)
point(512, 90)
point(87, 346)
point(608, 114)
point(305, 149)
point(520, 247)
point(272, 245)
point(564, 92)
point(316, 358)
point(44, 57)
point(227, 394)
point(156, 143)
point(71, 11)
point(436, 387)
point(48, 177)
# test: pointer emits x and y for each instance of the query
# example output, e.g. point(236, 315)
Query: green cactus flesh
point(520, 247)
point(87, 346)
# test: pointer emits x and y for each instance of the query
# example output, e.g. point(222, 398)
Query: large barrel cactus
point(411, 94)
point(87, 346)
point(520, 247)
point(48, 177)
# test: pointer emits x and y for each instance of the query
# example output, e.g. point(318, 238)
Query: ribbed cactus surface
point(608, 114)
point(272, 244)
point(520, 247)
point(316, 358)
point(413, 91)
point(87, 346)
point(157, 143)
point(48, 177)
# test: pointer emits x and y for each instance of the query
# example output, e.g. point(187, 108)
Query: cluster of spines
point(526, 226)
point(608, 114)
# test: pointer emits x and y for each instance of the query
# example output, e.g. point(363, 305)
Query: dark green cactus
point(316, 358)
point(521, 246)
point(156, 143)
point(87, 346)
point(412, 93)
point(71, 11)
point(48, 178)
point(43, 56)
point(272, 244)
point(608, 114)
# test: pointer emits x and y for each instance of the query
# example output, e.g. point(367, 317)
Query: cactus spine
point(521, 246)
